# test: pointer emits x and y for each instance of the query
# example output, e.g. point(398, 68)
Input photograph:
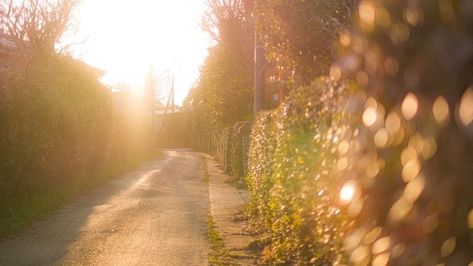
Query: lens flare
point(348, 192)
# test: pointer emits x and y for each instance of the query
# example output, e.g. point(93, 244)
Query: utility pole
point(259, 69)
point(150, 93)
point(172, 93)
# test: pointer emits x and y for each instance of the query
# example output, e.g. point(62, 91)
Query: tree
point(299, 36)
point(35, 24)
point(226, 76)
point(58, 124)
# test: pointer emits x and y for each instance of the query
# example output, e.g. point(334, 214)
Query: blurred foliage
point(413, 160)
point(397, 166)
point(299, 36)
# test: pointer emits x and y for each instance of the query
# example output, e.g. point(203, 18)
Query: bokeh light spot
point(413, 16)
point(343, 147)
point(408, 154)
point(335, 72)
point(367, 13)
point(429, 148)
point(381, 259)
point(342, 164)
point(370, 116)
point(393, 123)
point(398, 250)
point(348, 191)
point(470, 219)
point(399, 33)
point(440, 110)
point(345, 39)
point(372, 235)
point(414, 188)
point(411, 170)
point(465, 111)
point(373, 169)
point(354, 239)
point(399, 210)
point(359, 255)
point(381, 138)
point(381, 245)
point(430, 223)
point(448, 247)
point(409, 106)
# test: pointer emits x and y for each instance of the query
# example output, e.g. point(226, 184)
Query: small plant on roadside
point(219, 255)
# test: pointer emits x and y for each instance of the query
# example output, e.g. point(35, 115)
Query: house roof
point(5, 42)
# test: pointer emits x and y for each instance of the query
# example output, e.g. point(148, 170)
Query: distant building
point(96, 72)
point(6, 43)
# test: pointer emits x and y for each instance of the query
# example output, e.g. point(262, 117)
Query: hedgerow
point(293, 176)
point(58, 124)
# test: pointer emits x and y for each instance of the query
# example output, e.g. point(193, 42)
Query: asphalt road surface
point(156, 215)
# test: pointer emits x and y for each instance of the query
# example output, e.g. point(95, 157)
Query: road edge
point(227, 203)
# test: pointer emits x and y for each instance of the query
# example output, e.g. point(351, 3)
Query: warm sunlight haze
point(126, 37)
point(236, 132)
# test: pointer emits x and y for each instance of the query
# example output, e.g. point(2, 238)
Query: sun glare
point(348, 192)
point(125, 38)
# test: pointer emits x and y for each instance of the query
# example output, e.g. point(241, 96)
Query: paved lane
point(156, 215)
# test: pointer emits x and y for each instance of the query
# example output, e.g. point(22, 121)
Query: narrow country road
point(156, 215)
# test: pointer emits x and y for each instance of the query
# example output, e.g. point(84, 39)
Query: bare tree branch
point(36, 24)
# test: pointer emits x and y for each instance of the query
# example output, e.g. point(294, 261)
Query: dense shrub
point(59, 128)
point(260, 166)
point(58, 124)
point(293, 176)
point(55, 118)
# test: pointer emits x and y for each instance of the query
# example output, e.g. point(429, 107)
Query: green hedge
point(262, 149)
point(58, 124)
point(293, 179)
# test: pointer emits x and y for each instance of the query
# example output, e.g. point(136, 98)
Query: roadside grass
point(219, 255)
point(21, 211)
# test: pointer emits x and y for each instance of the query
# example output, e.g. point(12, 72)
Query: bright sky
point(126, 37)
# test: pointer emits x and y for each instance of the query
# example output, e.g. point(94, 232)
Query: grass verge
point(21, 211)
point(219, 255)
